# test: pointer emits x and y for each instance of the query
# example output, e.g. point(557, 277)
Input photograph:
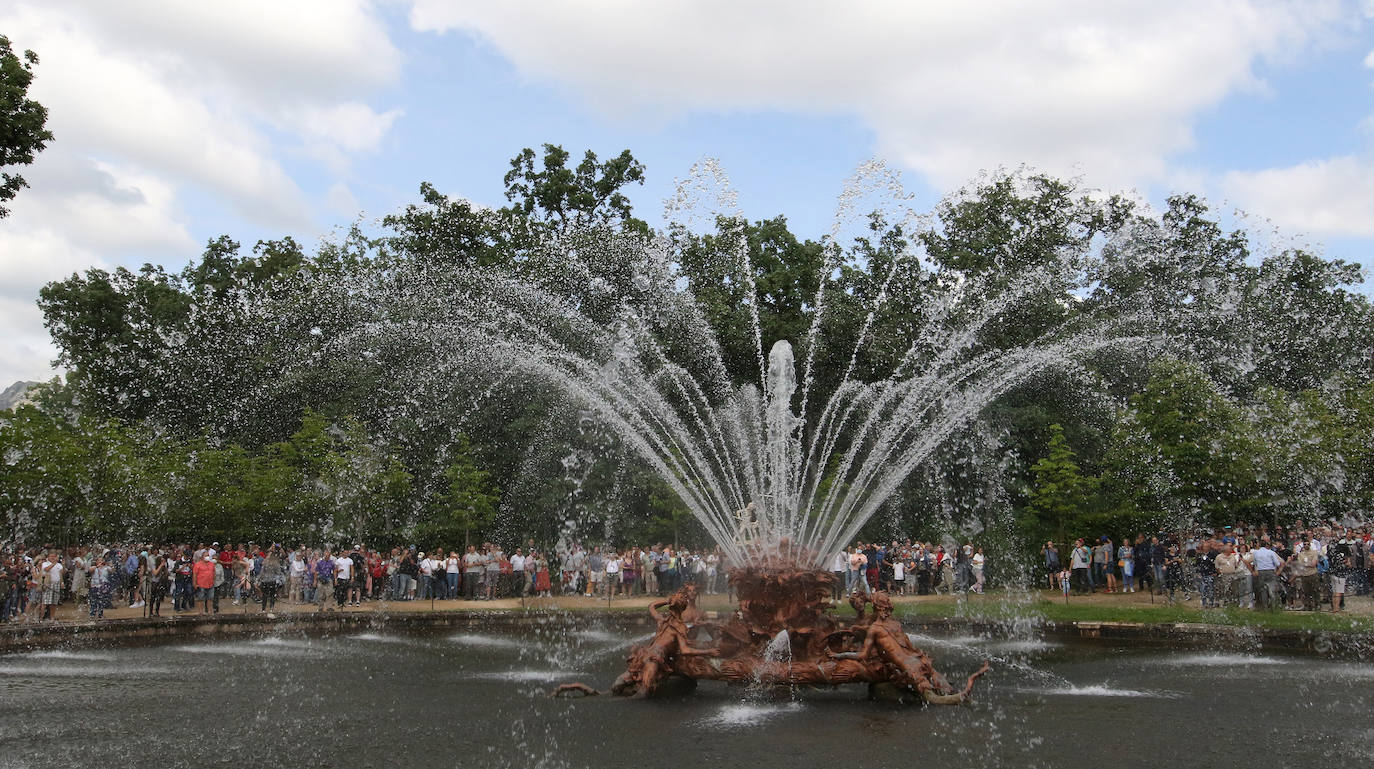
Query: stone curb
point(23, 637)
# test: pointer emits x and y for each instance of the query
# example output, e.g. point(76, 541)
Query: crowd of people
point(200, 578)
point(1237, 566)
point(1299, 568)
point(909, 568)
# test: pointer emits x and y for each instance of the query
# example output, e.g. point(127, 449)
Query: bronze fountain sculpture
point(783, 634)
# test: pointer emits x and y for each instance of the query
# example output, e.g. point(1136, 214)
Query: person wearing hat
point(50, 584)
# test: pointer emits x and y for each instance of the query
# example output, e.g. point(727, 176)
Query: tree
point(565, 198)
point(468, 502)
point(1059, 497)
point(1184, 449)
point(22, 120)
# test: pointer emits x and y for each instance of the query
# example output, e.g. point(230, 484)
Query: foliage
point(1249, 395)
point(1060, 493)
point(468, 502)
point(22, 120)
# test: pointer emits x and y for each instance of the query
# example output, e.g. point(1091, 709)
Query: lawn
point(1089, 610)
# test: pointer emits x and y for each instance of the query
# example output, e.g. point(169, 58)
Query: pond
point(437, 699)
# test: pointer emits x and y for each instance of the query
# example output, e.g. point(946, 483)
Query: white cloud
point(153, 102)
point(340, 200)
point(78, 215)
point(1070, 86)
point(352, 126)
point(1330, 196)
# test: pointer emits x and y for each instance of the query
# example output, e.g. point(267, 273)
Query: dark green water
point(431, 700)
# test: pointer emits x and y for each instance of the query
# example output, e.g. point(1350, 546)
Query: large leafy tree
point(1185, 451)
point(545, 190)
point(23, 132)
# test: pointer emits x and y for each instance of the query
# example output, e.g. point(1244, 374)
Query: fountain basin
point(480, 691)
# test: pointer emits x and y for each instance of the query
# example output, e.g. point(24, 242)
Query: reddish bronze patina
point(820, 649)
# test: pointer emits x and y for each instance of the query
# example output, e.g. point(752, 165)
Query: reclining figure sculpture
point(816, 648)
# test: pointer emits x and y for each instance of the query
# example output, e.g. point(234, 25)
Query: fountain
point(780, 477)
point(783, 632)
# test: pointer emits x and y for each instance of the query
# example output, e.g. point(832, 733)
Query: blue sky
point(178, 122)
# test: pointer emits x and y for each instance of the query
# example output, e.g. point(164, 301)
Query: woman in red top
point(376, 572)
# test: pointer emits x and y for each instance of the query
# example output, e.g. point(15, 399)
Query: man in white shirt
point(1079, 561)
point(839, 567)
point(343, 578)
point(426, 577)
point(612, 574)
point(517, 568)
point(453, 566)
point(296, 592)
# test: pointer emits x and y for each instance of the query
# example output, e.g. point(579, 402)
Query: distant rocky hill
point(15, 395)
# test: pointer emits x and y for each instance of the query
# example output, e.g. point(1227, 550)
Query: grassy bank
point(1088, 610)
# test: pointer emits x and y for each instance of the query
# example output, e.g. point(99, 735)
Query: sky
point(177, 122)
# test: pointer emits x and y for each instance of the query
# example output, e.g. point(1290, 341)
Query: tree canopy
point(211, 397)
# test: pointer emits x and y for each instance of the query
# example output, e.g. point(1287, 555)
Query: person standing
point(101, 582)
point(491, 576)
point(649, 566)
point(978, 562)
point(343, 579)
point(1303, 568)
point(596, 572)
point(1052, 563)
point(203, 576)
point(947, 571)
point(473, 563)
point(1080, 561)
point(612, 574)
point(50, 584)
point(359, 575)
point(271, 578)
point(1158, 555)
point(542, 584)
point(132, 567)
point(1125, 558)
point(629, 571)
point(518, 565)
point(409, 571)
point(453, 573)
point(183, 590)
point(1207, 573)
point(426, 567)
point(858, 569)
point(324, 579)
point(296, 591)
point(1268, 567)
point(1341, 557)
point(1101, 564)
point(157, 584)
point(1228, 566)
point(80, 570)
